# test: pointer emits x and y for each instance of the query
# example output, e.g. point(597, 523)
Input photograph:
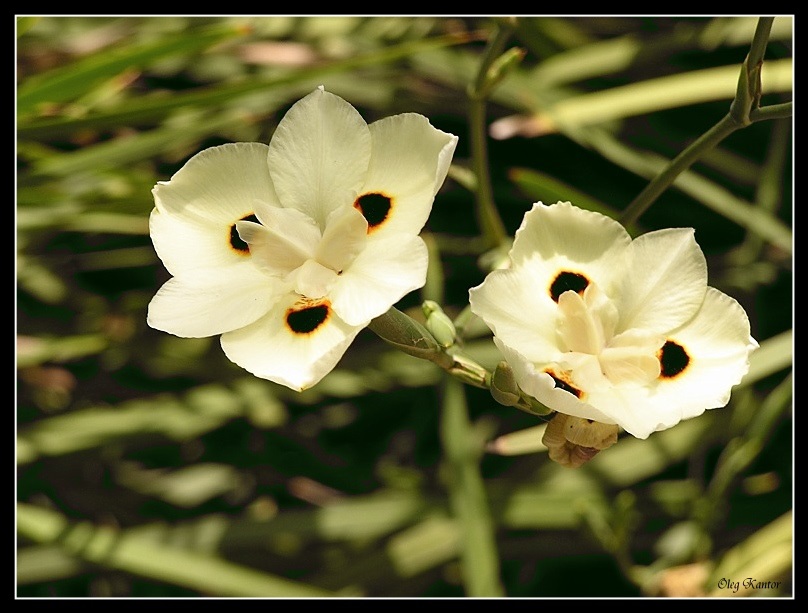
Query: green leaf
point(130, 552)
point(74, 80)
point(155, 107)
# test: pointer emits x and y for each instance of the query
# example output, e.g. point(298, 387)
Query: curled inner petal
point(277, 250)
point(314, 280)
point(236, 242)
point(344, 237)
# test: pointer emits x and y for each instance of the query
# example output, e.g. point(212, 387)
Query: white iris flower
point(289, 250)
point(602, 327)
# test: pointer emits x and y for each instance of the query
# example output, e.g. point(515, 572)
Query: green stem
point(773, 111)
point(462, 450)
point(678, 165)
point(743, 450)
point(407, 335)
point(744, 109)
point(760, 39)
point(769, 189)
point(488, 218)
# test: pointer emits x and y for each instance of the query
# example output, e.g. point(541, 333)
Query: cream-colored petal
point(541, 386)
point(185, 244)
point(219, 185)
point(272, 251)
point(719, 344)
point(580, 325)
point(205, 304)
point(408, 163)
point(514, 303)
point(344, 237)
point(295, 225)
point(666, 282)
point(562, 237)
point(313, 280)
point(270, 349)
point(319, 155)
point(382, 274)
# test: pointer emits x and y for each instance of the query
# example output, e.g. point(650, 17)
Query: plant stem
point(678, 165)
point(469, 500)
point(491, 226)
point(744, 110)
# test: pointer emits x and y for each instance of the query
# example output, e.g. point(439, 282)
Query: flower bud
point(439, 324)
point(573, 441)
point(503, 385)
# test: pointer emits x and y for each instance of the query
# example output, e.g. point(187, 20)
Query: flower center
point(291, 246)
point(595, 355)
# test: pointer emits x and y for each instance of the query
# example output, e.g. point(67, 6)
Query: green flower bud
point(501, 67)
point(504, 388)
point(439, 324)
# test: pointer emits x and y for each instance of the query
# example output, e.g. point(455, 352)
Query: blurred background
point(150, 466)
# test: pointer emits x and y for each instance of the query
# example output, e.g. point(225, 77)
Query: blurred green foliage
point(150, 466)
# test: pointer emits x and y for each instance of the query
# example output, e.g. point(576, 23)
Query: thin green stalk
point(404, 333)
point(744, 110)
point(742, 451)
point(769, 190)
point(125, 550)
point(478, 554)
point(678, 165)
point(491, 225)
point(773, 111)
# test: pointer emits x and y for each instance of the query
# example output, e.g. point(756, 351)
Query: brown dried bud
point(573, 441)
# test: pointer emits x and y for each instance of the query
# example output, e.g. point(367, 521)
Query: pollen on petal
point(673, 359)
point(375, 207)
point(562, 382)
point(306, 317)
point(567, 280)
point(236, 241)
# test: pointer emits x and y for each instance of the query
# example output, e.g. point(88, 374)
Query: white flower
point(289, 250)
point(620, 331)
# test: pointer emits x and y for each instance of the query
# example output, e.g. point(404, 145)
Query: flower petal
point(513, 303)
point(344, 237)
point(218, 185)
point(562, 237)
point(193, 224)
point(381, 275)
point(667, 281)
point(186, 244)
point(408, 165)
point(296, 344)
point(285, 240)
point(542, 387)
point(205, 304)
point(313, 280)
point(319, 155)
point(718, 343)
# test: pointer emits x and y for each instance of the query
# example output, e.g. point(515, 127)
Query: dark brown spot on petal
point(673, 359)
point(562, 382)
point(306, 318)
point(235, 240)
point(566, 281)
point(375, 207)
